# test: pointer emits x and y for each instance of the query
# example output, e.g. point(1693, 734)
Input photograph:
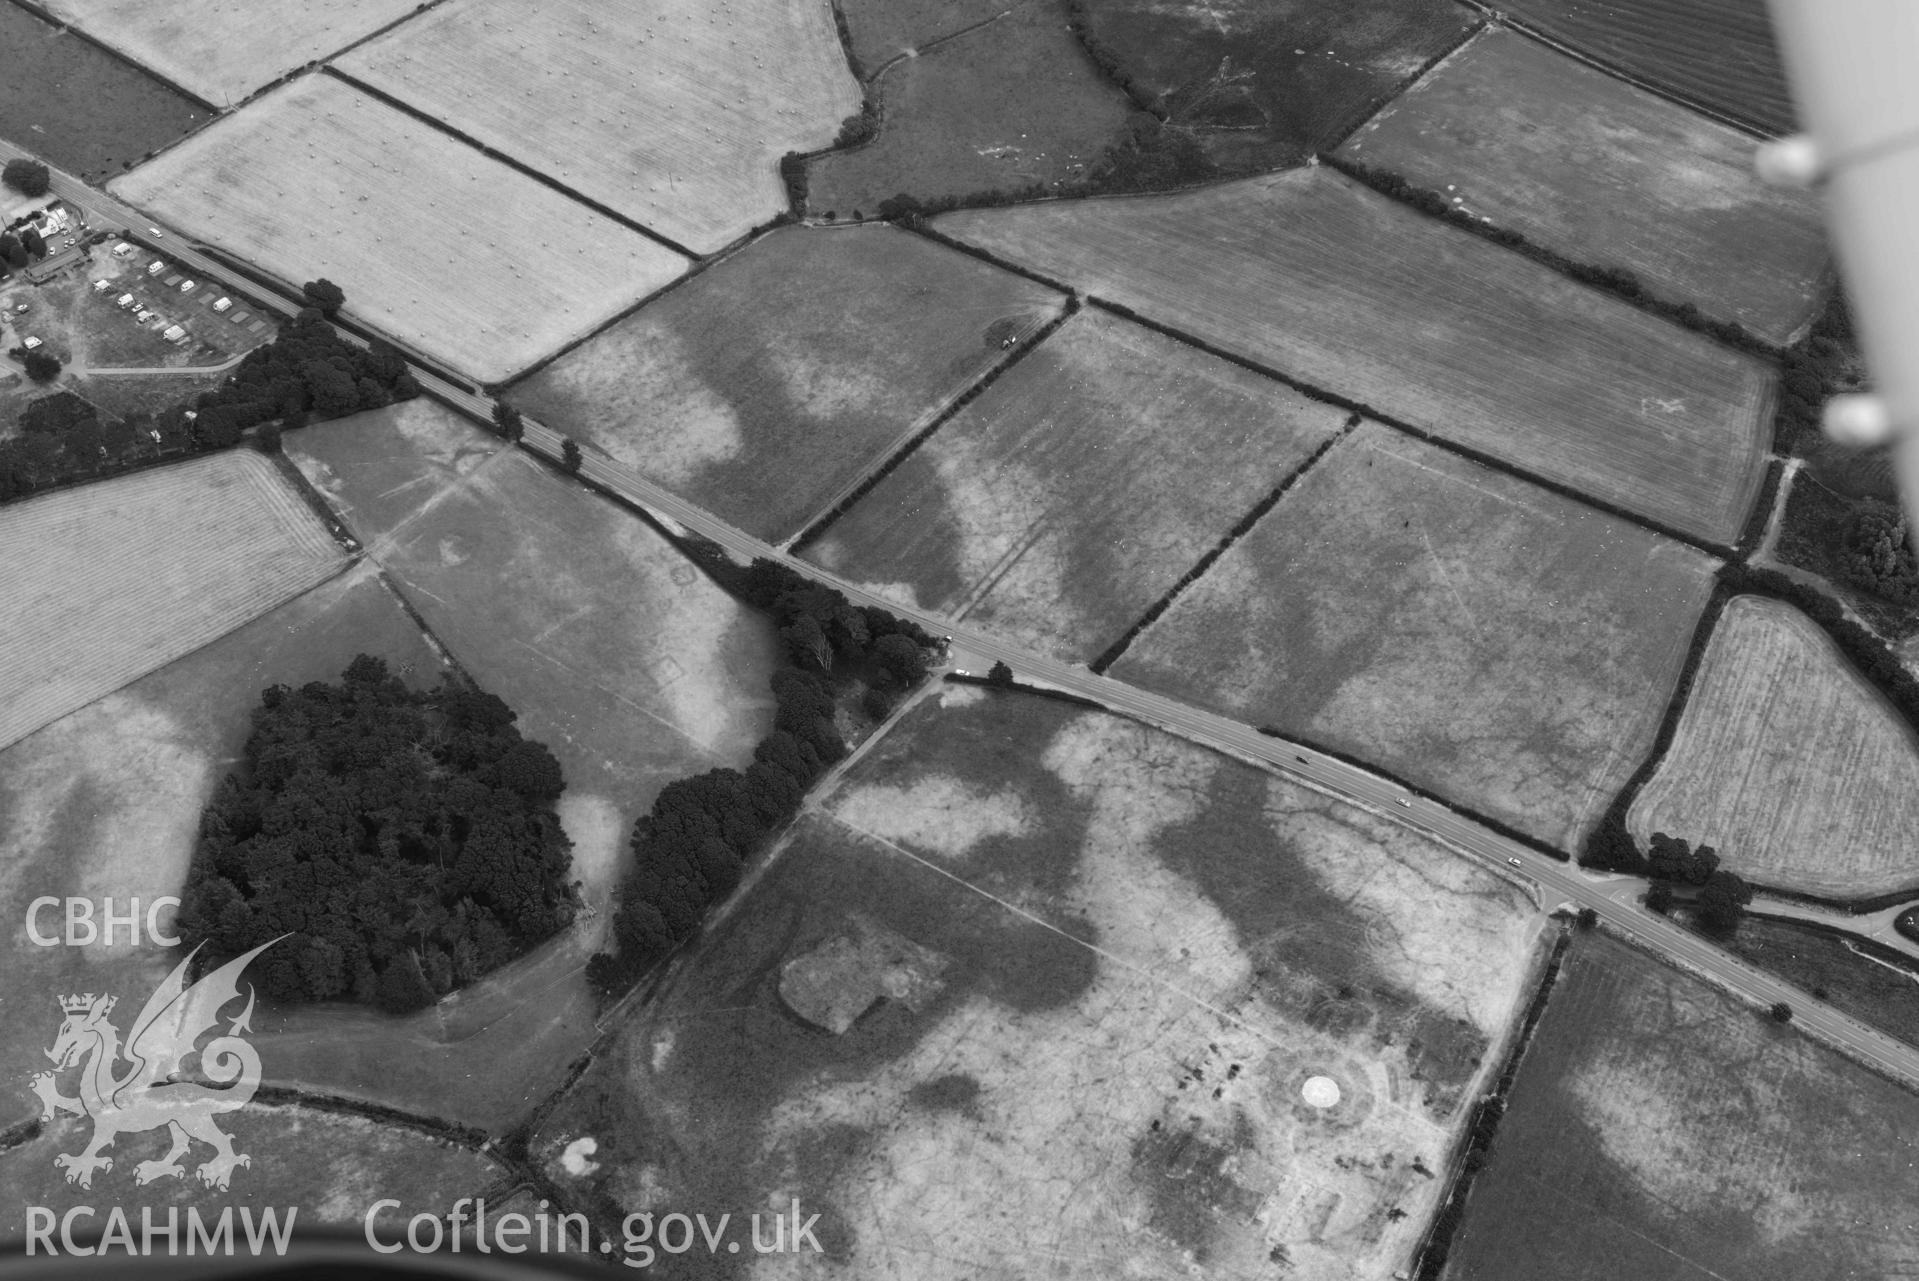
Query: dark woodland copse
point(689, 850)
point(28, 177)
point(407, 841)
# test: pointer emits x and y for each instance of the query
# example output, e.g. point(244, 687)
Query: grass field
point(1008, 103)
point(1328, 282)
point(1497, 644)
point(767, 386)
point(883, 30)
point(223, 50)
point(1718, 53)
point(107, 582)
point(1662, 1130)
point(1856, 982)
point(1139, 954)
point(1589, 166)
point(618, 654)
point(1789, 763)
point(79, 108)
point(675, 115)
point(106, 800)
point(468, 260)
point(330, 1168)
point(1263, 86)
point(1056, 508)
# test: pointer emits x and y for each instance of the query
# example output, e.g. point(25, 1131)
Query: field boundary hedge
point(1496, 826)
point(494, 153)
point(939, 420)
point(1429, 1260)
point(1016, 686)
point(1615, 281)
point(1611, 846)
point(1239, 530)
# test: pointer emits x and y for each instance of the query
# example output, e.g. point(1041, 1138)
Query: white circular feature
point(1320, 1091)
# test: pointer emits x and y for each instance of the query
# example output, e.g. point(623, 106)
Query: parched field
point(1498, 644)
point(106, 582)
point(1263, 86)
point(768, 386)
point(1322, 279)
point(1003, 105)
point(328, 1168)
point(80, 108)
point(1662, 1130)
point(434, 243)
point(1718, 53)
point(1585, 164)
point(1079, 488)
point(675, 115)
point(106, 800)
point(223, 50)
point(1115, 1003)
point(883, 30)
point(619, 655)
point(1789, 763)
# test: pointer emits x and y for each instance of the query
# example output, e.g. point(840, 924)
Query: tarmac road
point(1613, 898)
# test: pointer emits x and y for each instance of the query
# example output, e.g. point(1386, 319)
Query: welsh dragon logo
point(129, 1090)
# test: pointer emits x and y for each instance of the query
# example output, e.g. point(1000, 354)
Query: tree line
point(689, 849)
point(307, 372)
point(407, 841)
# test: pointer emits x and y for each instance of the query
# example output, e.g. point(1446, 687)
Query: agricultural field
point(1079, 488)
point(1327, 282)
point(1040, 982)
point(674, 115)
point(1008, 104)
point(619, 655)
point(883, 30)
point(1788, 763)
point(106, 800)
point(1263, 86)
point(766, 388)
point(329, 1166)
point(459, 255)
point(1588, 166)
point(224, 50)
point(1661, 1130)
point(1494, 643)
point(1717, 53)
point(108, 582)
point(80, 108)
